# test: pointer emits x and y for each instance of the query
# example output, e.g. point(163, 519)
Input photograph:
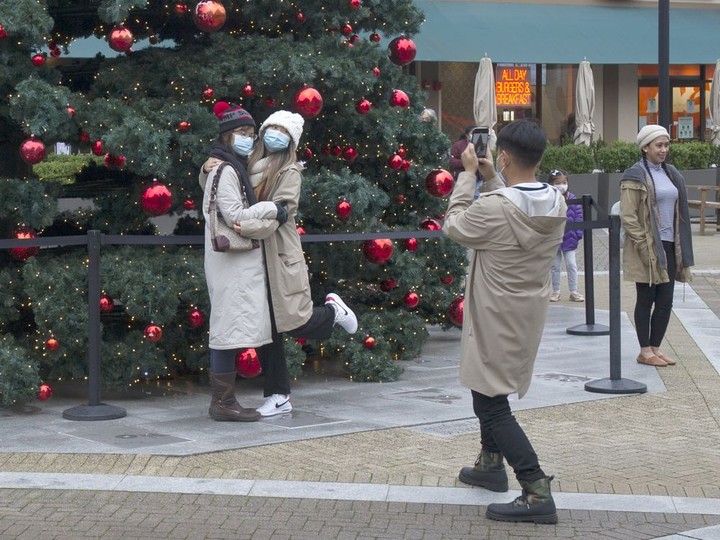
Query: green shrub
point(62, 169)
point(690, 155)
point(575, 159)
point(616, 156)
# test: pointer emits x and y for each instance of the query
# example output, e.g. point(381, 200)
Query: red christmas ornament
point(410, 244)
point(120, 39)
point(355, 4)
point(455, 311)
point(55, 53)
point(153, 333)
point(378, 251)
point(84, 137)
point(156, 199)
point(363, 106)
point(395, 161)
point(402, 152)
point(38, 60)
point(189, 203)
point(181, 9)
point(301, 341)
point(430, 224)
point(369, 342)
point(343, 209)
point(44, 392)
point(208, 93)
point(248, 90)
point(346, 29)
point(247, 364)
point(107, 304)
point(52, 344)
point(376, 72)
point(405, 165)
point(97, 148)
point(349, 154)
point(183, 126)
point(308, 102)
point(3, 33)
point(375, 37)
point(388, 285)
point(399, 99)
point(439, 183)
point(32, 151)
point(71, 111)
point(269, 102)
point(195, 318)
point(308, 153)
point(114, 162)
point(402, 51)
point(300, 17)
point(300, 230)
point(411, 300)
point(336, 150)
point(352, 40)
point(447, 280)
point(400, 199)
point(209, 15)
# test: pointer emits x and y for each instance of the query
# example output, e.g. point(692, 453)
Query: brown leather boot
point(223, 405)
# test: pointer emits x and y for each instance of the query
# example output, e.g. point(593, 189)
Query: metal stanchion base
point(616, 386)
point(94, 412)
point(589, 330)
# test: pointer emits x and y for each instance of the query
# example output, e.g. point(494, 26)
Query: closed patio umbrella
point(584, 104)
point(484, 105)
point(715, 105)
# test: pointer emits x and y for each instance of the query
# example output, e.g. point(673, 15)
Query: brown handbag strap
point(214, 185)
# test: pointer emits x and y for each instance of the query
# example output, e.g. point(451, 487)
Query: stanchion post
point(94, 410)
point(589, 328)
point(615, 384)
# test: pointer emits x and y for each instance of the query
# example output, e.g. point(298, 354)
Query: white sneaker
point(275, 404)
point(344, 316)
point(576, 297)
point(555, 297)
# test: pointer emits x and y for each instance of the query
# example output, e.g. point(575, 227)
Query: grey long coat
point(239, 310)
point(515, 233)
point(287, 271)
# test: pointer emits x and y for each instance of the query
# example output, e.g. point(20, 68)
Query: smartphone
point(479, 137)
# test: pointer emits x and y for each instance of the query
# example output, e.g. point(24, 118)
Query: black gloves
point(282, 214)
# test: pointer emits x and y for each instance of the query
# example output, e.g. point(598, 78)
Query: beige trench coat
point(284, 257)
point(508, 282)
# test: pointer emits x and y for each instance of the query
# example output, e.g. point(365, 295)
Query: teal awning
point(456, 31)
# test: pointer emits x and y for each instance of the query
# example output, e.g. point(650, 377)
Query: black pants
point(651, 324)
point(272, 356)
point(500, 432)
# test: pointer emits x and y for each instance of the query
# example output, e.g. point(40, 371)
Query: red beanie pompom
point(220, 107)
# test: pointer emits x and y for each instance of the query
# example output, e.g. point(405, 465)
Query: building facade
point(536, 48)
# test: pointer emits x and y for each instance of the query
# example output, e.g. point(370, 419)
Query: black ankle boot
point(535, 505)
point(488, 472)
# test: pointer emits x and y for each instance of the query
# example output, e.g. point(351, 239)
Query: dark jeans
point(272, 355)
point(651, 324)
point(500, 432)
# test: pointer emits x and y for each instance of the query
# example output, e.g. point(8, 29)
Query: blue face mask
point(275, 140)
point(242, 145)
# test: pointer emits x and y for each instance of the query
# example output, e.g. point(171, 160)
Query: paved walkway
point(362, 461)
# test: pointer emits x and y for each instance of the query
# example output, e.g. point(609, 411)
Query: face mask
point(242, 145)
point(562, 188)
point(275, 140)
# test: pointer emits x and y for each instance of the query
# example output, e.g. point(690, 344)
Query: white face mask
point(562, 188)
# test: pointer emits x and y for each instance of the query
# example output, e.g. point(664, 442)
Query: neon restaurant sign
point(512, 87)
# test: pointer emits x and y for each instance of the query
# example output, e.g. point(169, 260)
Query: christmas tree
point(142, 123)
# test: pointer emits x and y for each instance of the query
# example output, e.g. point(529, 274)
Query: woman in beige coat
point(276, 176)
point(658, 240)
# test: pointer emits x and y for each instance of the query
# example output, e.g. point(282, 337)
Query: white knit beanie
point(293, 122)
point(649, 133)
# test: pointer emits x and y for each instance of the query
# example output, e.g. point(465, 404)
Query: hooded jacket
point(643, 254)
point(514, 233)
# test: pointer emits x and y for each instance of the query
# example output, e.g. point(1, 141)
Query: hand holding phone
point(479, 137)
